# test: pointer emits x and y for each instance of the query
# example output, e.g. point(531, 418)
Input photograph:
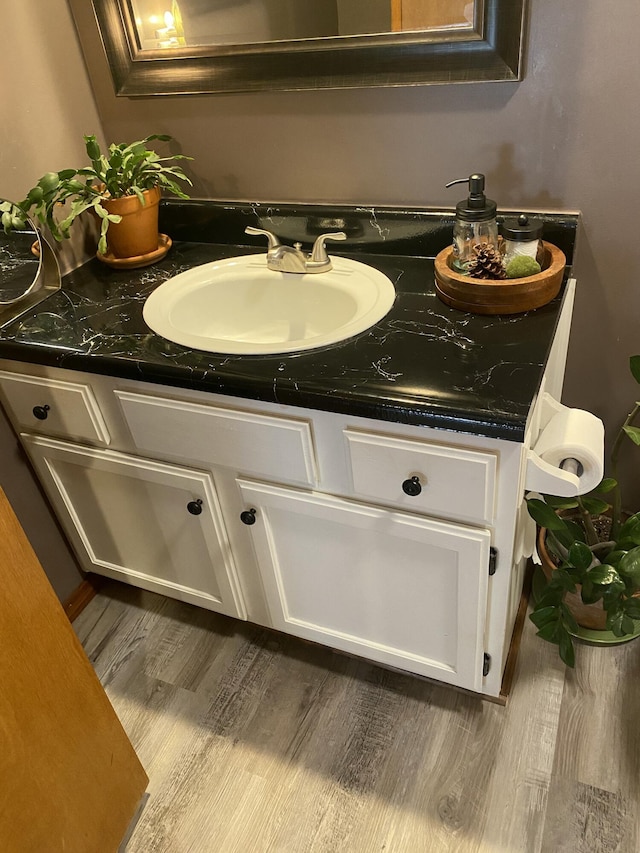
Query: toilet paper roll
point(573, 434)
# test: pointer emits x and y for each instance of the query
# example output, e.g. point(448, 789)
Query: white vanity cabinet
point(388, 541)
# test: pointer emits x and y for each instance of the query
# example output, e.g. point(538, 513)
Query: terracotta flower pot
point(590, 616)
point(137, 233)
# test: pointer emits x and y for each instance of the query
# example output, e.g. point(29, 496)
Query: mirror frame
point(489, 50)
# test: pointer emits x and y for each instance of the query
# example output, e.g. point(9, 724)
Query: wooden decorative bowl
point(511, 296)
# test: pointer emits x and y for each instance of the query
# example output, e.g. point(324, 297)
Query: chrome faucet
point(292, 258)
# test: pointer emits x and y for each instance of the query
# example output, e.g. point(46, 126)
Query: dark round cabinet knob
point(248, 516)
point(195, 507)
point(41, 412)
point(412, 487)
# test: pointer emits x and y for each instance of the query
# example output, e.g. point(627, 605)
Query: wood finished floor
point(255, 743)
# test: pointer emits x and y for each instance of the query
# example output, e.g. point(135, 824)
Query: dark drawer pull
point(412, 487)
point(248, 516)
point(41, 412)
point(195, 507)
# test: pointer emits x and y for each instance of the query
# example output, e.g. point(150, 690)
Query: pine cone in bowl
point(486, 263)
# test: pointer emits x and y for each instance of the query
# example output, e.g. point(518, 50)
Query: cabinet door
point(153, 525)
point(396, 588)
point(69, 778)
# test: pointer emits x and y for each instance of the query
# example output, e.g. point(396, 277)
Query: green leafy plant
point(12, 216)
point(125, 170)
point(597, 551)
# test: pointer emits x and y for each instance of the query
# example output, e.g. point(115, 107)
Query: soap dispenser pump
point(475, 223)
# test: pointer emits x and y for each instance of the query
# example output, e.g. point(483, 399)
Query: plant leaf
point(567, 652)
point(35, 195)
point(560, 503)
point(627, 625)
point(552, 596)
point(542, 616)
point(576, 532)
point(629, 565)
point(92, 148)
point(633, 433)
point(614, 623)
point(569, 618)
point(608, 484)
point(594, 506)
point(580, 556)
point(634, 363)
point(632, 608)
point(549, 632)
point(614, 557)
point(564, 580)
point(603, 574)
point(544, 515)
point(612, 618)
point(49, 182)
point(590, 593)
point(630, 528)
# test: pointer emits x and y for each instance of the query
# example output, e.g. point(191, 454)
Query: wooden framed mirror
point(177, 47)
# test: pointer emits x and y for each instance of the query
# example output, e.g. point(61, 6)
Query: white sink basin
point(239, 306)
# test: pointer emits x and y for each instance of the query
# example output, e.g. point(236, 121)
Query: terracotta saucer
point(164, 244)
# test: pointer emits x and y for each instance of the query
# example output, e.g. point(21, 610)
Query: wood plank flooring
point(255, 742)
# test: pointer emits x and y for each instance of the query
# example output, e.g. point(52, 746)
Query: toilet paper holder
point(571, 470)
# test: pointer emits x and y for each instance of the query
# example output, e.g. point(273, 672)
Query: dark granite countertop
point(424, 363)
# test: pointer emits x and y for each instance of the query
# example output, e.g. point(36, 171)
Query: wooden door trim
point(81, 596)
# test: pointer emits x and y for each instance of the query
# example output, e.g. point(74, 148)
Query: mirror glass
point(29, 270)
point(166, 25)
point(19, 263)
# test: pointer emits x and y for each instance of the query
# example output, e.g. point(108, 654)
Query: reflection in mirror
point(28, 270)
point(19, 263)
point(162, 24)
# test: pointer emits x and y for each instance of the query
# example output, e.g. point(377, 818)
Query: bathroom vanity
point(366, 495)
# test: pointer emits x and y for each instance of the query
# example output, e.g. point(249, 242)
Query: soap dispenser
point(475, 223)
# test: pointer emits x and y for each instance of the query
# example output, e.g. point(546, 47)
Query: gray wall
point(46, 102)
point(45, 105)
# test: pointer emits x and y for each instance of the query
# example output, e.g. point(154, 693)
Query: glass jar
point(522, 236)
point(475, 225)
point(467, 236)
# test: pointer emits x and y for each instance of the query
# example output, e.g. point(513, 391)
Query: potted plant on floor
point(122, 188)
point(590, 554)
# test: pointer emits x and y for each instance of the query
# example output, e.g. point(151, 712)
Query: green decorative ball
point(522, 266)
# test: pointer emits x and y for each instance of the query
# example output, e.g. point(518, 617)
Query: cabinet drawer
point(53, 407)
point(451, 482)
point(264, 445)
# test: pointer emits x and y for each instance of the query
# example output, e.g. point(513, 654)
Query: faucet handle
point(319, 251)
point(274, 242)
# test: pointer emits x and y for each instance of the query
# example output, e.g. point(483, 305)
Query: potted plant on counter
point(122, 188)
point(590, 553)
